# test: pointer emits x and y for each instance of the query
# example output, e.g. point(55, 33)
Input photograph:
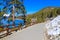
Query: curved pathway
point(35, 32)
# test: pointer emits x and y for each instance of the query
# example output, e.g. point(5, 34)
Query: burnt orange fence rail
point(8, 31)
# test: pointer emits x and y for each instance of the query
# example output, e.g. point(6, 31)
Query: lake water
point(16, 22)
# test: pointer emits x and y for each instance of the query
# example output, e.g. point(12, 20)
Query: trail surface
point(35, 32)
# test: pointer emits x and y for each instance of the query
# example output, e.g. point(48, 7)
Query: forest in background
point(44, 14)
point(41, 16)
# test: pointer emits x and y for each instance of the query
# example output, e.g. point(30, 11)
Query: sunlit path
point(35, 32)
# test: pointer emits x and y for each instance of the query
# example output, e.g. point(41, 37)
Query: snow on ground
point(54, 26)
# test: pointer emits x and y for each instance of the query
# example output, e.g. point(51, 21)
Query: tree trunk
point(13, 12)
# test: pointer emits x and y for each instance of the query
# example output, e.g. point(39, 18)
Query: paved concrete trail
point(35, 32)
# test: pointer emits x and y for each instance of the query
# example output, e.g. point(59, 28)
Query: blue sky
point(33, 6)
